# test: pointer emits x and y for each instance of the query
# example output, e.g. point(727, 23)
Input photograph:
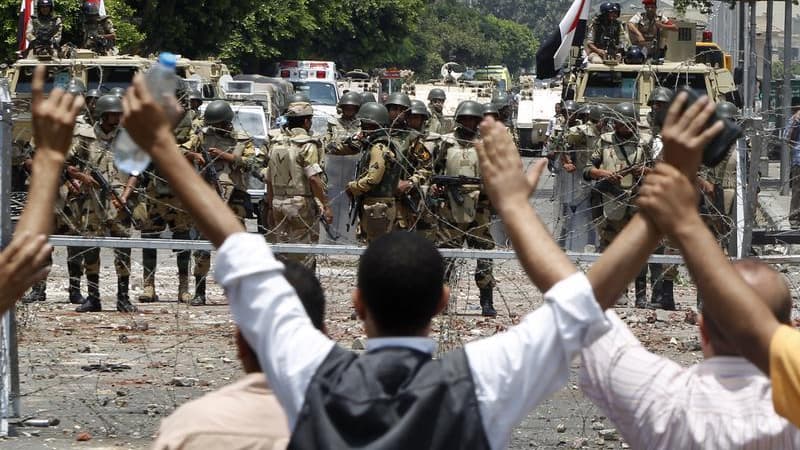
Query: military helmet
point(490, 108)
point(91, 8)
point(625, 112)
point(194, 94)
point(469, 108)
point(299, 109)
point(351, 98)
point(570, 106)
point(107, 104)
point(596, 113)
point(661, 95)
point(634, 55)
point(77, 82)
point(399, 99)
point(74, 89)
point(118, 91)
point(373, 112)
point(727, 110)
point(218, 111)
point(501, 100)
point(437, 94)
point(93, 93)
point(43, 3)
point(609, 7)
point(418, 107)
point(299, 97)
point(368, 97)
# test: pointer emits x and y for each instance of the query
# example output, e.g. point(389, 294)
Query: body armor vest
point(392, 173)
point(44, 28)
point(229, 144)
point(286, 175)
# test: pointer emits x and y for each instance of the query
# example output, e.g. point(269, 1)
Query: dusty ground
point(151, 355)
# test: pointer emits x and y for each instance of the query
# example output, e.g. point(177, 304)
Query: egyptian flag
point(571, 31)
point(25, 10)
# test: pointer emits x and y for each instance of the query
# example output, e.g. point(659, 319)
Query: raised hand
point(22, 263)
point(685, 135)
point(53, 117)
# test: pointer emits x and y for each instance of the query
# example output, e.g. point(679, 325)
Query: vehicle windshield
point(696, 81)
point(611, 85)
point(57, 76)
point(318, 92)
point(250, 123)
point(710, 56)
point(106, 78)
point(391, 85)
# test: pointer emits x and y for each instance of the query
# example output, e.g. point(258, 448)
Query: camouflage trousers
point(476, 235)
point(294, 220)
point(101, 219)
point(162, 211)
point(237, 200)
point(378, 216)
point(609, 229)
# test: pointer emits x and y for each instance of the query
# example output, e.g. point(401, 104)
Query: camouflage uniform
point(339, 130)
point(48, 28)
point(379, 172)
point(419, 162)
point(723, 177)
point(437, 123)
point(294, 157)
point(606, 35)
point(579, 142)
point(163, 208)
point(101, 26)
point(232, 183)
point(467, 220)
point(647, 26)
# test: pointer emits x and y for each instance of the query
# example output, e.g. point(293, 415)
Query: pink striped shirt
point(721, 403)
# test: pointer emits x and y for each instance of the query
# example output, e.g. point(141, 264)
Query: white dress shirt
point(723, 402)
point(512, 371)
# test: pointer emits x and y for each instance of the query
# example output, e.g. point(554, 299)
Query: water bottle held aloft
point(161, 82)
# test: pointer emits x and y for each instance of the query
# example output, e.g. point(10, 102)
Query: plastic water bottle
point(161, 81)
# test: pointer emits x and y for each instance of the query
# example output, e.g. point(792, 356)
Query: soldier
point(646, 29)
point(619, 161)
point(91, 99)
point(98, 31)
point(44, 29)
point(342, 130)
point(164, 209)
point(505, 109)
point(378, 174)
point(103, 209)
point(296, 184)
point(579, 141)
point(606, 37)
point(397, 104)
point(368, 97)
point(465, 214)
point(414, 213)
point(437, 123)
point(490, 110)
point(229, 159)
point(722, 179)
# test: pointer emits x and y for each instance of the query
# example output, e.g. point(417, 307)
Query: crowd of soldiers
point(600, 155)
point(45, 28)
point(608, 38)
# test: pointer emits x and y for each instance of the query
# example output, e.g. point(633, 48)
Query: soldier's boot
point(38, 293)
point(183, 260)
point(149, 276)
point(199, 291)
point(667, 296)
point(640, 285)
point(183, 289)
point(75, 270)
point(92, 303)
point(75, 296)
point(123, 301)
point(487, 302)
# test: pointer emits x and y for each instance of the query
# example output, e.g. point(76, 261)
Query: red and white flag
point(25, 10)
point(571, 31)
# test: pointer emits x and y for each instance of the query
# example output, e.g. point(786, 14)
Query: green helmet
point(107, 104)
point(437, 94)
point(625, 112)
point(299, 97)
point(490, 108)
point(118, 91)
point(218, 111)
point(373, 112)
point(571, 107)
point(418, 107)
point(368, 97)
point(501, 100)
point(661, 95)
point(399, 99)
point(74, 89)
point(194, 94)
point(597, 112)
point(727, 110)
point(469, 108)
point(350, 99)
point(93, 93)
point(76, 83)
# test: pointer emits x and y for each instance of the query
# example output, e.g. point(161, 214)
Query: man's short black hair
point(307, 286)
point(401, 277)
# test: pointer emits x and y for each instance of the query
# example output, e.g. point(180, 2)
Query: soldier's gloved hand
point(24, 262)
point(53, 117)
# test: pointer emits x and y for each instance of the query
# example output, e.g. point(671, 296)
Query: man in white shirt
point(724, 401)
point(395, 395)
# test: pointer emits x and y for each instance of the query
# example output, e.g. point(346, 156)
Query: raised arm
point(25, 260)
point(150, 127)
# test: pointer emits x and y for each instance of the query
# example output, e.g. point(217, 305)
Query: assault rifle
point(210, 170)
point(453, 183)
point(328, 230)
point(106, 190)
point(606, 186)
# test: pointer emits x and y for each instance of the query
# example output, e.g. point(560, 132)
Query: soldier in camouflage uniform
point(465, 214)
point(722, 179)
point(378, 174)
point(646, 29)
point(505, 111)
point(44, 29)
point(619, 161)
point(606, 37)
point(103, 215)
point(163, 208)
point(417, 170)
point(437, 123)
point(296, 184)
point(233, 157)
point(342, 130)
point(98, 31)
